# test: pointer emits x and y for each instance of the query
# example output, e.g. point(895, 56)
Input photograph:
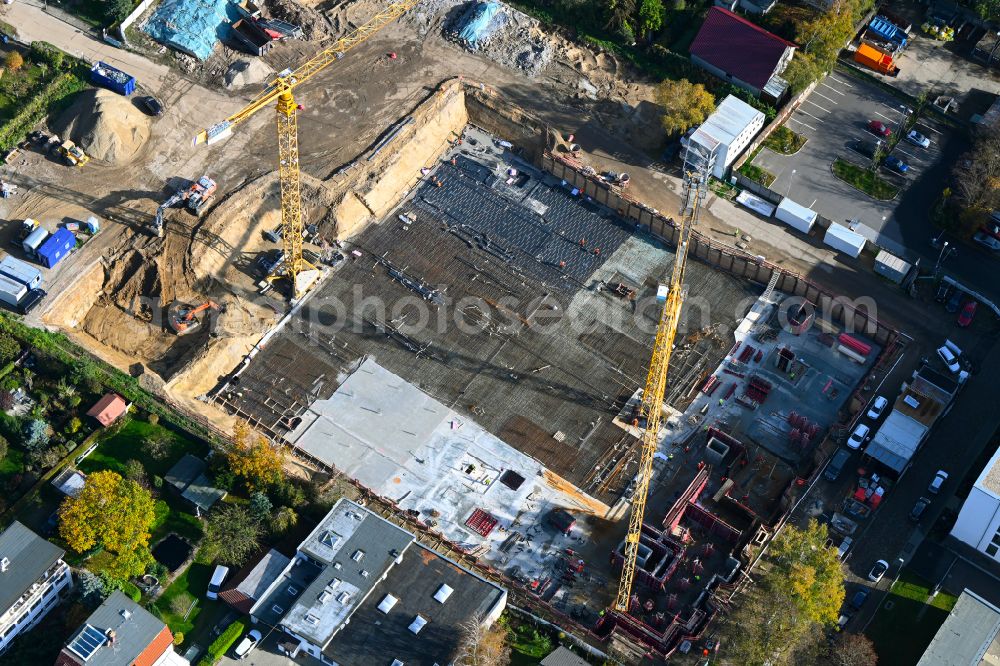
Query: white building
point(728, 131)
point(33, 580)
point(978, 522)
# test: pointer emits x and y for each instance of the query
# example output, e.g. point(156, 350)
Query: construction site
point(475, 334)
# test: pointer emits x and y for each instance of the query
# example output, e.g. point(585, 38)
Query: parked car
point(893, 163)
point(918, 509)
point(214, 585)
point(868, 147)
point(859, 598)
point(967, 313)
point(878, 406)
point(955, 301)
point(152, 105)
point(837, 464)
point(879, 128)
point(938, 482)
point(878, 570)
point(858, 437)
point(247, 645)
point(918, 139)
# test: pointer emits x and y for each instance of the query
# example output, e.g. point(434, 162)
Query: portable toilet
point(34, 240)
point(21, 271)
point(56, 248)
point(93, 226)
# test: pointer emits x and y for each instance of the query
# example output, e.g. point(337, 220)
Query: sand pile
point(247, 72)
point(106, 125)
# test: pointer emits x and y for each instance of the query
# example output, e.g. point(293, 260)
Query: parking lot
point(833, 119)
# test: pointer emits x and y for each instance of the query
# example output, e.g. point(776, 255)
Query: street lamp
point(944, 254)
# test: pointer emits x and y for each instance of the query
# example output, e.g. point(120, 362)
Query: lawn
point(127, 444)
point(911, 615)
point(187, 587)
point(756, 174)
point(864, 180)
point(173, 519)
point(784, 141)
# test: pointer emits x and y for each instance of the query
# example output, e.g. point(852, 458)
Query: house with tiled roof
point(743, 53)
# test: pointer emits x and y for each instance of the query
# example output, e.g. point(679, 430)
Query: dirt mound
point(246, 72)
point(106, 125)
point(314, 24)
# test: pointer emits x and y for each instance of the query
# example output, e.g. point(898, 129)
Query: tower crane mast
point(651, 405)
point(279, 92)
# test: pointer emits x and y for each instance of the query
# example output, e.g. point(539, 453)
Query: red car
point(967, 313)
point(879, 128)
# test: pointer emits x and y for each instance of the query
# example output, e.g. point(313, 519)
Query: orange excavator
point(183, 317)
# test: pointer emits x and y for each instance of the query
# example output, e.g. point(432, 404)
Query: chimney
point(4, 565)
point(111, 636)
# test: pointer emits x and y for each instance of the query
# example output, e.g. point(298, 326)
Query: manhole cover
point(888, 605)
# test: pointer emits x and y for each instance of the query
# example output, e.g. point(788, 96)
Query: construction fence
point(732, 260)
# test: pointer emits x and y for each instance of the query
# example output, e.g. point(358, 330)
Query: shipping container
point(21, 271)
point(888, 30)
point(34, 240)
point(56, 248)
point(843, 239)
point(891, 267)
point(11, 291)
point(253, 38)
point(872, 58)
point(103, 74)
point(795, 215)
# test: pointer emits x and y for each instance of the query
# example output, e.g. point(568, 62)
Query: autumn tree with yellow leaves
point(112, 512)
point(253, 458)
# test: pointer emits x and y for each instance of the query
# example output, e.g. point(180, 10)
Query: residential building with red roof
point(736, 50)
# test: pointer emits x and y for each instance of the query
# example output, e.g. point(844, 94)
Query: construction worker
point(597, 251)
point(583, 243)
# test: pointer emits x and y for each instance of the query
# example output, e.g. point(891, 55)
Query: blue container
point(56, 248)
point(884, 28)
point(103, 74)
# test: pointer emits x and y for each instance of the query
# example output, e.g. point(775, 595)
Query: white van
point(218, 577)
point(948, 358)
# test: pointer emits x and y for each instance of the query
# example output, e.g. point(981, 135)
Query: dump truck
point(73, 154)
point(875, 59)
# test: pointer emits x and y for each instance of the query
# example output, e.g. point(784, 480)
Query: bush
point(14, 130)
point(221, 644)
point(131, 591)
point(14, 61)
point(180, 604)
point(178, 638)
point(47, 53)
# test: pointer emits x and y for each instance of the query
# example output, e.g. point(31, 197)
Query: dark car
point(859, 598)
point(918, 509)
point(967, 313)
point(895, 164)
point(868, 147)
point(955, 301)
point(879, 128)
point(30, 301)
point(152, 106)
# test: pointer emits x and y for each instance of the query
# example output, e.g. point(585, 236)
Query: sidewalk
point(34, 24)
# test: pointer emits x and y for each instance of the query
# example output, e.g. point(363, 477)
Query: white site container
point(11, 291)
point(843, 239)
point(795, 215)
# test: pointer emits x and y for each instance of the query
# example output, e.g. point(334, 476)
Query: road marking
point(802, 123)
point(809, 114)
point(813, 203)
point(809, 101)
point(928, 128)
point(884, 116)
point(827, 98)
point(910, 155)
point(824, 84)
point(839, 81)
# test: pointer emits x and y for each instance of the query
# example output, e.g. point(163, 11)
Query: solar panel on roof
point(87, 642)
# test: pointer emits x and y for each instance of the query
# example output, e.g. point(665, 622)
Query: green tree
point(260, 506)
point(3, 447)
point(91, 589)
point(685, 105)
point(283, 520)
point(10, 348)
point(799, 591)
point(650, 17)
point(853, 650)
point(115, 513)
point(134, 471)
point(801, 71)
point(620, 14)
point(14, 61)
point(232, 534)
point(117, 10)
point(36, 435)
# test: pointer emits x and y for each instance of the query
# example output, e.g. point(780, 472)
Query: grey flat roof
point(257, 581)
point(202, 494)
point(185, 471)
point(30, 556)
point(414, 582)
point(133, 633)
point(896, 440)
point(968, 635)
point(356, 548)
point(563, 657)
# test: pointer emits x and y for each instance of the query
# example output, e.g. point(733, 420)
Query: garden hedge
point(15, 129)
point(131, 591)
point(221, 644)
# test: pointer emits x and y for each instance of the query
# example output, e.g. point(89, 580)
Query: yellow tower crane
point(651, 407)
point(280, 92)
